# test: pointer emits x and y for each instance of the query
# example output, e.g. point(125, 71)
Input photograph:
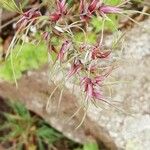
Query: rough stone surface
point(130, 130)
point(34, 91)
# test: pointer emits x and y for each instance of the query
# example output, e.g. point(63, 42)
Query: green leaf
point(10, 5)
point(40, 144)
point(111, 24)
point(91, 37)
point(24, 57)
point(48, 134)
point(90, 146)
point(20, 110)
point(112, 2)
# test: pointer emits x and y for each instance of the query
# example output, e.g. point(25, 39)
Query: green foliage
point(90, 37)
point(70, 2)
point(111, 23)
point(29, 130)
point(11, 5)
point(25, 57)
point(112, 2)
point(26, 129)
point(48, 134)
point(89, 146)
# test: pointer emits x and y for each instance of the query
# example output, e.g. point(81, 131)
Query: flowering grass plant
point(81, 62)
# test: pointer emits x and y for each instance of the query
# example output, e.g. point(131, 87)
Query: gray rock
point(130, 130)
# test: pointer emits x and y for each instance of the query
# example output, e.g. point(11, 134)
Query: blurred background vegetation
point(21, 129)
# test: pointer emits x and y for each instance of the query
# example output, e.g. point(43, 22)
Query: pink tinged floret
point(64, 48)
point(86, 10)
point(109, 9)
point(46, 36)
point(93, 6)
point(55, 16)
point(82, 6)
point(97, 53)
point(97, 95)
point(31, 14)
point(90, 87)
point(83, 10)
point(62, 6)
point(92, 68)
point(53, 49)
point(98, 80)
point(75, 68)
point(28, 16)
point(90, 90)
point(60, 11)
